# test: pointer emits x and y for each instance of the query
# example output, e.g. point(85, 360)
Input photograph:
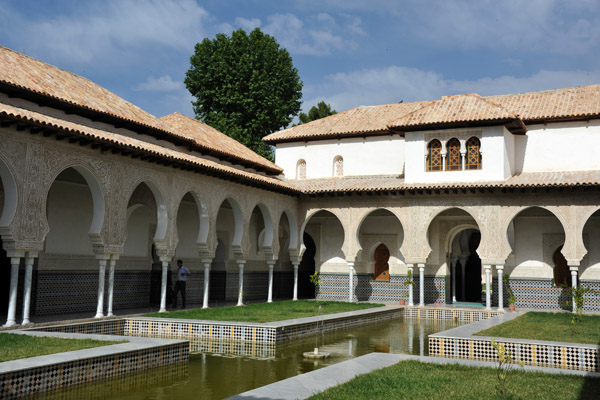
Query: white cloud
point(394, 83)
point(248, 24)
point(161, 84)
point(291, 33)
point(112, 29)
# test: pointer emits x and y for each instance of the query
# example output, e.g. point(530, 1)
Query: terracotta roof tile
point(356, 121)
point(453, 109)
point(48, 121)
point(208, 136)
point(560, 104)
point(381, 183)
point(22, 71)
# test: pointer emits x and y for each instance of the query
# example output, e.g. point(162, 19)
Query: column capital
point(500, 267)
point(103, 256)
point(240, 261)
point(487, 267)
point(206, 260)
point(573, 269)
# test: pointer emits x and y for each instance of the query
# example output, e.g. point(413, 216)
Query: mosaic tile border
point(40, 374)
point(253, 333)
point(450, 314)
point(335, 287)
point(461, 343)
point(538, 354)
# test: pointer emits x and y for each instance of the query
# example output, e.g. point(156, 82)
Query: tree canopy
point(245, 86)
point(321, 110)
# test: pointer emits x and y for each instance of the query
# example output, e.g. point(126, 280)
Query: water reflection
point(221, 368)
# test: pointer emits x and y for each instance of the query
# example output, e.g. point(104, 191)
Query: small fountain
point(316, 354)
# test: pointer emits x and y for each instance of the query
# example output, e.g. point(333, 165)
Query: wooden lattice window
point(453, 158)
point(434, 156)
point(473, 153)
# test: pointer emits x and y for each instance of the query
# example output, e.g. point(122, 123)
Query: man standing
point(182, 274)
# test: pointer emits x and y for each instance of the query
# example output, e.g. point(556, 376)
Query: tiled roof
point(205, 135)
point(453, 109)
point(570, 103)
point(383, 183)
point(367, 120)
point(560, 104)
point(20, 71)
point(85, 132)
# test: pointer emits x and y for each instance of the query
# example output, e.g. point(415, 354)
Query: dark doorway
point(306, 290)
point(561, 270)
point(5, 269)
point(218, 273)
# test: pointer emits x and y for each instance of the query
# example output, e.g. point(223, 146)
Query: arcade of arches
point(97, 232)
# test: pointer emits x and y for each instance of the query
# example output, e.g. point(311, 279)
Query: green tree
point(245, 86)
point(319, 111)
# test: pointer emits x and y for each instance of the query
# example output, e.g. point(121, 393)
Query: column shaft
point(574, 285)
point(101, 278)
point(500, 270)
point(206, 284)
point(488, 299)
point(422, 285)
point(111, 285)
point(295, 280)
point(350, 282)
point(27, 289)
point(241, 283)
point(12, 296)
point(163, 286)
point(270, 294)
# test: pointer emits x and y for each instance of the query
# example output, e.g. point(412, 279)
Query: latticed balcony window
point(453, 158)
point(434, 156)
point(473, 154)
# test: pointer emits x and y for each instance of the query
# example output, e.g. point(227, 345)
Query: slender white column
point(101, 278)
point(453, 264)
point(111, 283)
point(207, 264)
point(12, 296)
point(463, 267)
point(295, 263)
point(411, 276)
point(271, 264)
point(488, 289)
point(421, 285)
point(350, 281)
point(163, 286)
point(574, 285)
point(500, 269)
point(462, 158)
point(27, 289)
point(241, 283)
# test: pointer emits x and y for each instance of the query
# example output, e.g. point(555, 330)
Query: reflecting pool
point(219, 369)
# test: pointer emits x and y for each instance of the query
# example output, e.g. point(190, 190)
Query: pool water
point(220, 369)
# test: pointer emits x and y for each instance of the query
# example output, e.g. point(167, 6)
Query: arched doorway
point(382, 267)
point(453, 272)
point(466, 269)
point(218, 273)
point(562, 275)
point(139, 282)
point(306, 290)
point(230, 230)
point(284, 272)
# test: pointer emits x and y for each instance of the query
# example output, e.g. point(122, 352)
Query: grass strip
point(556, 327)
point(266, 312)
point(14, 346)
point(415, 380)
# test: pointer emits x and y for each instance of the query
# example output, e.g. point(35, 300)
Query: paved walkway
point(305, 385)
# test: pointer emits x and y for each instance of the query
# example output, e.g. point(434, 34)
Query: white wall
point(381, 155)
point(497, 158)
point(565, 146)
point(141, 226)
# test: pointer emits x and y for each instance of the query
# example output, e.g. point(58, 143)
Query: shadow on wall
point(363, 287)
point(306, 290)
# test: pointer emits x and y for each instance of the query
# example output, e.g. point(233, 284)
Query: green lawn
point(266, 312)
point(14, 346)
point(549, 326)
point(415, 380)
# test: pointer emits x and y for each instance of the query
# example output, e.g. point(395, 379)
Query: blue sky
point(348, 52)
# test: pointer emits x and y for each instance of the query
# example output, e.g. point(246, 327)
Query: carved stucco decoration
point(551, 241)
